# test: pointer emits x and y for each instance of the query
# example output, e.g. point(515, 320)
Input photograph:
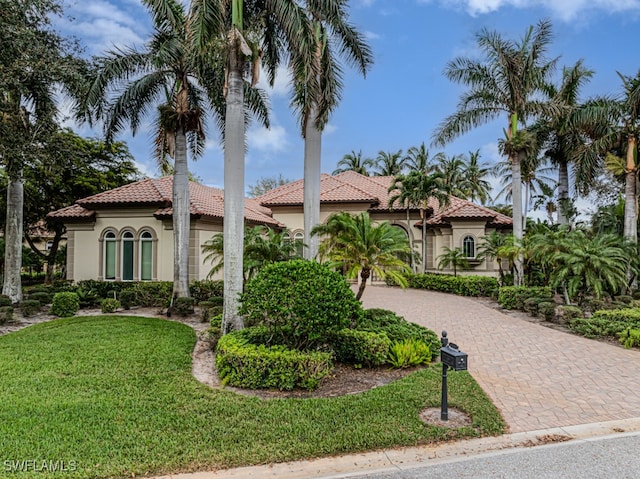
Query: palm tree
point(474, 184)
point(262, 246)
point(509, 83)
point(356, 245)
point(489, 248)
point(452, 170)
point(389, 163)
point(265, 33)
point(417, 188)
point(404, 198)
point(35, 61)
point(453, 257)
point(354, 162)
point(170, 74)
point(417, 159)
point(622, 135)
point(317, 85)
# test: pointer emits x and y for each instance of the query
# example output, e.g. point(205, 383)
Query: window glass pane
point(127, 260)
point(109, 259)
point(299, 238)
point(146, 249)
point(469, 247)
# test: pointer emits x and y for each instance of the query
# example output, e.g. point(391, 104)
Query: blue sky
point(405, 95)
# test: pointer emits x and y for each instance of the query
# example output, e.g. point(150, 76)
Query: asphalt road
point(597, 458)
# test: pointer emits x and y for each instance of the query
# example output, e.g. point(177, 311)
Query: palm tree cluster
point(201, 62)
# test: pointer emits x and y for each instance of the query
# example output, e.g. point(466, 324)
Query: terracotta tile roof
point(333, 189)
point(205, 202)
point(352, 187)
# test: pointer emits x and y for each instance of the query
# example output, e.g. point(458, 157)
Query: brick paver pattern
point(538, 377)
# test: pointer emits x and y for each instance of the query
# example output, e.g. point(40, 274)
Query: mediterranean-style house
point(125, 234)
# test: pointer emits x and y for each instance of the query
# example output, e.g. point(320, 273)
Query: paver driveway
point(538, 377)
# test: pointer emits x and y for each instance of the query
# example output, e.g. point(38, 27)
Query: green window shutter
point(110, 260)
point(146, 260)
point(127, 260)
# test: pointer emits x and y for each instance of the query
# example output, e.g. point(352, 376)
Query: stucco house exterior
point(125, 234)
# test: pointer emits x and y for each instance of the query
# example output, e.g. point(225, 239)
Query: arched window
point(469, 246)
point(146, 256)
point(299, 238)
point(127, 256)
point(110, 256)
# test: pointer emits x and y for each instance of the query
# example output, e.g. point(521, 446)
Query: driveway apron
point(538, 377)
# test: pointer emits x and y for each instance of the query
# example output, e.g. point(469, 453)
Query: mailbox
point(452, 357)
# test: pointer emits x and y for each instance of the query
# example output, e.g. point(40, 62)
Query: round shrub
point(127, 298)
point(303, 302)
point(29, 307)
point(6, 314)
point(361, 347)
point(65, 304)
point(109, 305)
point(209, 309)
point(5, 301)
point(183, 306)
point(547, 310)
point(566, 313)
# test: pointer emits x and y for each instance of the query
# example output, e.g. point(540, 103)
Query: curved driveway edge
point(538, 377)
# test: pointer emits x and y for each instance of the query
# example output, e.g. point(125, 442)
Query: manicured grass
point(114, 396)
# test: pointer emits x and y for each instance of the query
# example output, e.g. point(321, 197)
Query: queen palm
point(417, 158)
point(182, 84)
point(389, 163)
point(317, 82)
point(622, 135)
point(474, 175)
point(511, 81)
point(358, 246)
point(417, 188)
point(252, 32)
point(354, 162)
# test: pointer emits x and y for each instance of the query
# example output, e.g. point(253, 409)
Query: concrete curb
point(408, 458)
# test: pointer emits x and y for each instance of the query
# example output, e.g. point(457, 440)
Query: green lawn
point(114, 396)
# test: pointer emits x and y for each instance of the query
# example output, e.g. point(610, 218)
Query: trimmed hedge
point(607, 323)
point(306, 300)
point(6, 314)
point(29, 307)
point(361, 347)
point(41, 296)
point(547, 310)
point(5, 301)
point(242, 364)
point(461, 285)
point(203, 290)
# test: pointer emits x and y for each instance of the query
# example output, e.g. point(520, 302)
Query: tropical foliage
point(356, 245)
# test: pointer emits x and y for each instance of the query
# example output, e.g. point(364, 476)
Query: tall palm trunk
point(563, 192)
point(181, 217)
point(234, 188)
point(630, 215)
point(312, 161)
point(424, 239)
point(516, 194)
point(410, 233)
point(12, 285)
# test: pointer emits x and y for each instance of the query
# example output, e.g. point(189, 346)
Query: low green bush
point(242, 364)
point(65, 304)
point(397, 328)
point(5, 301)
point(514, 297)
point(623, 299)
point(109, 305)
point(203, 290)
point(209, 309)
point(41, 296)
point(103, 289)
point(127, 298)
point(547, 310)
point(361, 347)
point(626, 315)
point(461, 285)
point(568, 313)
point(89, 298)
point(216, 300)
point(531, 305)
point(184, 306)
point(153, 294)
point(409, 352)
point(29, 307)
point(597, 327)
point(630, 338)
point(305, 300)
point(6, 314)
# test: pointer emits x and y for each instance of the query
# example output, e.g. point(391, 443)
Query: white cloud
point(566, 10)
point(281, 86)
point(329, 128)
point(369, 35)
point(263, 139)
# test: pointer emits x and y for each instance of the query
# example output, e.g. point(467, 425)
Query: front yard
point(114, 396)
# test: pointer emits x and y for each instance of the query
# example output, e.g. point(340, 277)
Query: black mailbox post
point(451, 357)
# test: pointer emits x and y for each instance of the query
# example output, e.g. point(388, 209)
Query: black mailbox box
point(454, 358)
